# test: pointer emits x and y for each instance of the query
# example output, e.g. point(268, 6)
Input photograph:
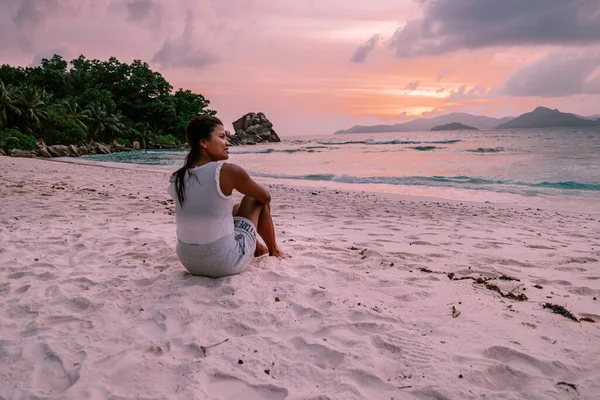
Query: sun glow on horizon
point(416, 93)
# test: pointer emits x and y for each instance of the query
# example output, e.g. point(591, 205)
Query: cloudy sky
point(314, 67)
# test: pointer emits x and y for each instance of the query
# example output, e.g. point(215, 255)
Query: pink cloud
point(287, 58)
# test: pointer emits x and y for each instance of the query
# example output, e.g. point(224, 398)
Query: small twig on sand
point(204, 348)
point(571, 385)
point(404, 387)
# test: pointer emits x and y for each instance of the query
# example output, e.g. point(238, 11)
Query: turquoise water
point(533, 167)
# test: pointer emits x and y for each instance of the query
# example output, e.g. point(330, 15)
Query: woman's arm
point(235, 177)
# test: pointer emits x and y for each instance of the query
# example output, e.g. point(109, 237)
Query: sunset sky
point(314, 67)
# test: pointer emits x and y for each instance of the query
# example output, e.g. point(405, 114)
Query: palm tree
point(100, 121)
point(143, 130)
point(75, 111)
point(6, 138)
point(34, 105)
point(7, 103)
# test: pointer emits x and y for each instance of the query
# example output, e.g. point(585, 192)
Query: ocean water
point(547, 168)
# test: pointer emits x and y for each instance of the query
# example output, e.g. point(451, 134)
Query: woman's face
point(217, 148)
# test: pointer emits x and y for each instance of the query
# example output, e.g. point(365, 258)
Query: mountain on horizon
point(480, 122)
point(590, 117)
point(543, 117)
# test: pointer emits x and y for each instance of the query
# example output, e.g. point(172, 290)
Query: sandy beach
point(385, 297)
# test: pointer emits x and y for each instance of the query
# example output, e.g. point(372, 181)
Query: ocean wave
point(487, 150)
point(384, 142)
point(151, 157)
point(446, 141)
point(425, 148)
point(311, 149)
point(443, 181)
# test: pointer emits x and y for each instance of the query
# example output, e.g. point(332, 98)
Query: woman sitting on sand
point(216, 238)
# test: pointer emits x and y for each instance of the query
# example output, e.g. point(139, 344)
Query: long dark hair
point(201, 127)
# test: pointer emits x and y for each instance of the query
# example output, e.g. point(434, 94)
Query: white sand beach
point(94, 303)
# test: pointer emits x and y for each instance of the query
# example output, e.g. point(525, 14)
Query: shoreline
point(505, 201)
point(380, 300)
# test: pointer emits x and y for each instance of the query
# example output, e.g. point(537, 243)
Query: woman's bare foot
point(261, 249)
point(279, 254)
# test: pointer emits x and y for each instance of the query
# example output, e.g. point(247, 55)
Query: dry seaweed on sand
point(508, 295)
point(484, 281)
point(509, 278)
point(588, 319)
point(556, 309)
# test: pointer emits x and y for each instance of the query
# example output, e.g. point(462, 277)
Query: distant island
point(453, 126)
point(425, 124)
point(541, 117)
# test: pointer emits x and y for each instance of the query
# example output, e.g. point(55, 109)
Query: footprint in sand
point(49, 375)
point(392, 349)
point(578, 260)
point(415, 352)
point(500, 377)
point(526, 362)
point(318, 354)
point(156, 327)
point(232, 388)
point(584, 291)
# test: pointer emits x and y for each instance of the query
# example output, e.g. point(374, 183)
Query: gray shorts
point(228, 255)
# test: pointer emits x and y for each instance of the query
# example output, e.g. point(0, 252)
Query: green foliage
point(165, 139)
point(123, 141)
point(51, 75)
point(88, 99)
point(33, 104)
point(96, 96)
point(15, 76)
point(61, 128)
point(7, 103)
point(13, 139)
point(102, 123)
point(187, 106)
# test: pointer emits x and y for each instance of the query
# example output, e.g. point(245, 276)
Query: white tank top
point(206, 214)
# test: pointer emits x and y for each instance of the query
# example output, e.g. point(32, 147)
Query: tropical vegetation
point(85, 101)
